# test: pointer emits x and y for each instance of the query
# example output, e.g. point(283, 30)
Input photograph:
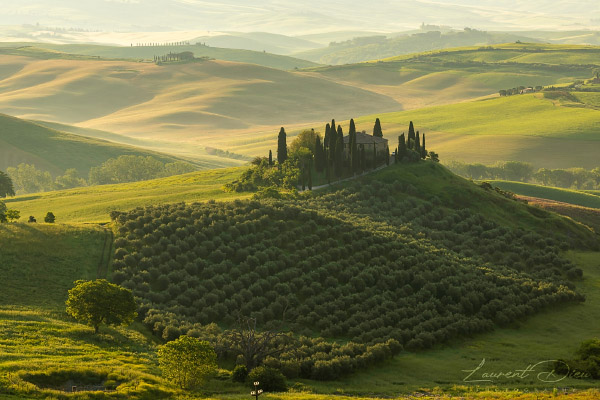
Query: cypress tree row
point(282, 147)
point(377, 129)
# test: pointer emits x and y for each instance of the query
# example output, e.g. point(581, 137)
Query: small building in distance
point(369, 142)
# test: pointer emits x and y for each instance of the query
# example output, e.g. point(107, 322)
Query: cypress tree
point(352, 149)
point(281, 147)
point(377, 129)
point(270, 157)
point(418, 144)
point(423, 149)
point(339, 153)
point(332, 142)
point(387, 155)
point(401, 147)
point(411, 135)
point(327, 135)
point(318, 154)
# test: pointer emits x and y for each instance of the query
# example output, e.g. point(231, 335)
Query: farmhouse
point(369, 143)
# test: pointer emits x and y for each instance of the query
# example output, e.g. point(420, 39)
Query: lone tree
point(6, 185)
point(377, 129)
point(101, 302)
point(49, 218)
point(187, 361)
point(282, 147)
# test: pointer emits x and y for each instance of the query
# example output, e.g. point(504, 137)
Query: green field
point(93, 204)
point(579, 198)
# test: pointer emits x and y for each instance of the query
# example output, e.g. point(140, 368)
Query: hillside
point(190, 102)
point(380, 46)
point(579, 198)
point(93, 204)
point(55, 151)
point(422, 213)
point(185, 107)
point(147, 53)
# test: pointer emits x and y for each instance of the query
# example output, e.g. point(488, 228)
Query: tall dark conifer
point(327, 135)
point(377, 129)
point(423, 149)
point(352, 148)
point(282, 147)
point(339, 153)
point(401, 147)
point(363, 158)
point(318, 154)
point(411, 136)
point(418, 144)
point(332, 142)
point(270, 157)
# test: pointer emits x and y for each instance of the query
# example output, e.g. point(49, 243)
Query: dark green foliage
point(319, 159)
point(282, 154)
point(101, 302)
point(377, 128)
point(31, 219)
point(423, 149)
point(401, 153)
point(240, 373)
point(417, 146)
point(6, 185)
point(134, 168)
point(49, 218)
point(367, 263)
point(3, 210)
point(339, 153)
point(332, 143)
point(586, 364)
point(411, 136)
point(271, 380)
point(270, 157)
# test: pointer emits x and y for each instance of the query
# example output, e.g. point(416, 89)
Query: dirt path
point(346, 179)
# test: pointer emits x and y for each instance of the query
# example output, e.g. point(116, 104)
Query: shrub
point(49, 218)
point(187, 361)
point(239, 374)
point(271, 380)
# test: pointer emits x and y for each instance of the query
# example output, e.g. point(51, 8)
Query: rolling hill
point(147, 53)
point(184, 107)
point(465, 225)
point(55, 151)
point(378, 47)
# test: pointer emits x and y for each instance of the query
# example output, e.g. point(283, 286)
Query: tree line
point(570, 178)
point(26, 178)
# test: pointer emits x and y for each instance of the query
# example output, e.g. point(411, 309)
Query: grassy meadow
point(93, 204)
point(529, 127)
point(576, 197)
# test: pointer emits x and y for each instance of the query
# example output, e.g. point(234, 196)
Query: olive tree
point(187, 361)
point(101, 302)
